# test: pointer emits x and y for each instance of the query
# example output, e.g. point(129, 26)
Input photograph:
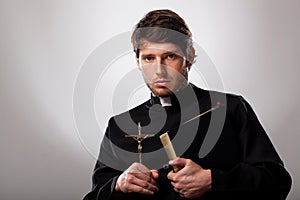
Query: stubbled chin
point(161, 91)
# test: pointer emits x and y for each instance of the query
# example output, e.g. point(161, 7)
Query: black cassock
point(229, 140)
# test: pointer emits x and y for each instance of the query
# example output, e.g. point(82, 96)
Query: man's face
point(163, 66)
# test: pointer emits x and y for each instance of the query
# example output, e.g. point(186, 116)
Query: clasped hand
point(192, 180)
point(137, 178)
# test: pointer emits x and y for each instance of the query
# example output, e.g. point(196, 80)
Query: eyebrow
point(165, 53)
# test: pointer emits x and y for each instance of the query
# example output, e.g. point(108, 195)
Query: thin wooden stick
point(201, 114)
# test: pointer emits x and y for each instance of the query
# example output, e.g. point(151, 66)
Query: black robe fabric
point(228, 140)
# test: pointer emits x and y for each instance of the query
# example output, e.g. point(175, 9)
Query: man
point(241, 163)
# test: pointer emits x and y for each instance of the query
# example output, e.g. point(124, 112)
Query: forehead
point(159, 48)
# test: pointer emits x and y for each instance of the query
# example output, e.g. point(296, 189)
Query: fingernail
point(171, 162)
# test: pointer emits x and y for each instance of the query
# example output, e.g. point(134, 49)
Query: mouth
point(161, 82)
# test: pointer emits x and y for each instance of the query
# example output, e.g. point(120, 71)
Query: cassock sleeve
point(104, 177)
point(261, 174)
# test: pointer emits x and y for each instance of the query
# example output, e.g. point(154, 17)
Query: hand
point(192, 180)
point(137, 178)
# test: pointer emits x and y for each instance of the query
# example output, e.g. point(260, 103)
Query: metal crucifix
point(139, 138)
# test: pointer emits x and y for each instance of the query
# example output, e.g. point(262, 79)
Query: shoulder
point(130, 114)
point(232, 101)
point(228, 97)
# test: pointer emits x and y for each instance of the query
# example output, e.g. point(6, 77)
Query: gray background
point(254, 44)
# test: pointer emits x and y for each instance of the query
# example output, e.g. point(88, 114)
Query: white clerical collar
point(165, 101)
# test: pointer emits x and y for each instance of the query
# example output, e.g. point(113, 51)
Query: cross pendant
point(139, 138)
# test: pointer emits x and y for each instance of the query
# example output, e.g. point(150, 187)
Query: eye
point(148, 58)
point(171, 56)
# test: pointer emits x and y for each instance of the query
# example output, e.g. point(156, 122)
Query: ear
point(190, 57)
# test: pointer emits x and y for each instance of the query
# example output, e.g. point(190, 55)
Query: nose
point(160, 66)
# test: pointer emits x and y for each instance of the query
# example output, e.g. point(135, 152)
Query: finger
point(139, 189)
point(176, 190)
point(180, 190)
point(151, 186)
point(141, 175)
point(142, 172)
point(141, 178)
point(128, 183)
point(171, 175)
point(146, 182)
point(173, 183)
point(181, 162)
point(153, 182)
point(154, 174)
point(176, 176)
point(177, 185)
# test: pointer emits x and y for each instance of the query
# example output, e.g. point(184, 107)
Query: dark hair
point(162, 26)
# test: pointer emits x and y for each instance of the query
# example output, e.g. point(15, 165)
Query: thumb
point(178, 162)
point(154, 174)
